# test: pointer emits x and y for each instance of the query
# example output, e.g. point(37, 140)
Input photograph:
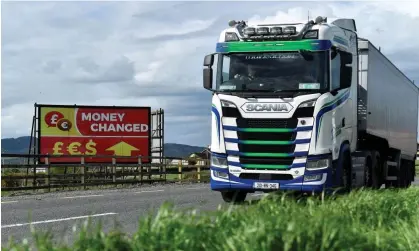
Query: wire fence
point(24, 172)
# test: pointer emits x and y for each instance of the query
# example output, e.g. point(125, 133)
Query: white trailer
point(387, 112)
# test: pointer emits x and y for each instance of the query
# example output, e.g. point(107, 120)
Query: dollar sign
point(90, 148)
point(57, 148)
point(73, 148)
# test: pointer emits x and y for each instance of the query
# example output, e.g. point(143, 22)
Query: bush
point(13, 182)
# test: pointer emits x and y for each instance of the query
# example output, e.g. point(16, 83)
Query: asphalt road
point(59, 212)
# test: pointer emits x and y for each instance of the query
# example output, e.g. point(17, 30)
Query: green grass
point(363, 220)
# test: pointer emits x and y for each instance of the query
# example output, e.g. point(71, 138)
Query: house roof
point(202, 155)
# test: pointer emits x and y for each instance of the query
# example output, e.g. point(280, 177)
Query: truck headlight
point(219, 162)
point(318, 164)
point(309, 103)
point(225, 103)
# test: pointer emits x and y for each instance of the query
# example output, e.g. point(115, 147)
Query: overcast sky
point(151, 53)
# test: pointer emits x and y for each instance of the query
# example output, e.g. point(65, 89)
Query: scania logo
point(266, 107)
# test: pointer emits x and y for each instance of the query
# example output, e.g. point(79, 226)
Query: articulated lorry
point(308, 107)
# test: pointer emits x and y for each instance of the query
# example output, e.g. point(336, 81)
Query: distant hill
point(180, 150)
point(15, 145)
point(21, 145)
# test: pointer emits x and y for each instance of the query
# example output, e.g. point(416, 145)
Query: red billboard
point(94, 130)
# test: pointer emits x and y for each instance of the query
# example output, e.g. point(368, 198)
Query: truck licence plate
point(263, 185)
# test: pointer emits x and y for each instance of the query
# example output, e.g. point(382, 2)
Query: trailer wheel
point(346, 177)
point(409, 175)
point(375, 170)
point(405, 173)
point(234, 196)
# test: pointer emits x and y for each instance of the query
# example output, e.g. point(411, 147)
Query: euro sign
point(73, 148)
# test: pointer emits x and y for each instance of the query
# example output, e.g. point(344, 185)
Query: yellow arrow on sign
point(122, 149)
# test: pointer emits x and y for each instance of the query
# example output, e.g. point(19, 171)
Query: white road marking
point(195, 188)
point(9, 201)
point(82, 196)
point(56, 220)
point(150, 191)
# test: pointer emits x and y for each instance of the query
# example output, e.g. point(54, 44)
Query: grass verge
point(362, 220)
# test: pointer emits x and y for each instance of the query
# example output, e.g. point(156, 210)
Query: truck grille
point(267, 148)
point(267, 123)
point(266, 161)
point(288, 136)
point(256, 163)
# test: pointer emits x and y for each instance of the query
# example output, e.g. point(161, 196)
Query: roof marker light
point(313, 34)
point(231, 36)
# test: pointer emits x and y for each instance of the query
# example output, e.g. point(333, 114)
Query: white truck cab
point(286, 113)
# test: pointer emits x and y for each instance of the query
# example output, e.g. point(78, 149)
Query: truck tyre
point(401, 176)
point(234, 196)
point(405, 172)
point(375, 170)
point(409, 175)
point(345, 164)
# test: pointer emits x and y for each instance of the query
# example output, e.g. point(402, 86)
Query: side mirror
point(345, 70)
point(209, 60)
point(345, 77)
point(207, 73)
point(345, 58)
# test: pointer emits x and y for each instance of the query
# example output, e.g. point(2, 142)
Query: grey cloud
point(91, 53)
point(52, 66)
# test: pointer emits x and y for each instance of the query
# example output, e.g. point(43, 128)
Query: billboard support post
point(157, 139)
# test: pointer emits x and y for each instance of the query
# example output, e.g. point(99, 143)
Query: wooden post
point(82, 170)
point(165, 162)
point(34, 175)
point(48, 182)
point(113, 170)
point(180, 170)
point(141, 169)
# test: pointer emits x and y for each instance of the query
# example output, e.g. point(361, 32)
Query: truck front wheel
point(234, 196)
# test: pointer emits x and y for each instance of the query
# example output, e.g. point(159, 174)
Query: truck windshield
point(273, 71)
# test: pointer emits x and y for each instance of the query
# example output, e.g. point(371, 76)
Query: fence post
point(165, 162)
point(83, 173)
point(48, 182)
point(199, 173)
point(179, 176)
point(113, 169)
point(34, 176)
point(149, 170)
point(141, 169)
